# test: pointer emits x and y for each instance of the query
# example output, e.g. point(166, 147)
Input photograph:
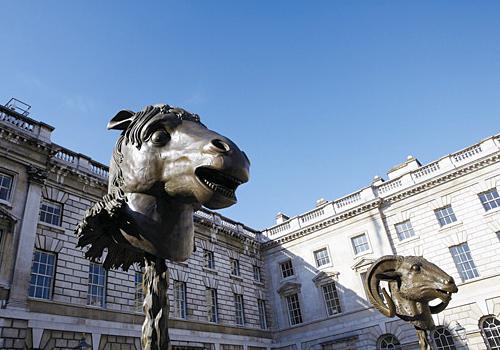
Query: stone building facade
point(53, 298)
point(447, 211)
point(296, 285)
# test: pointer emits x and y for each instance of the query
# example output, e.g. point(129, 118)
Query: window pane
point(239, 308)
point(294, 313)
point(5, 186)
point(50, 212)
point(180, 306)
point(212, 311)
point(445, 215)
point(463, 261)
point(331, 299)
point(262, 313)
point(490, 199)
point(97, 285)
point(287, 269)
point(490, 327)
point(360, 244)
point(321, 256)
point(443, 339)
point(404, 230)
point(42, 275)
point(389, 342)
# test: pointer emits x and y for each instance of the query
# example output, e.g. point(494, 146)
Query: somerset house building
point(294, 286)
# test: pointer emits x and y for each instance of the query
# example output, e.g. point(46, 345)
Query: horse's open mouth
point(218, 181)
point(443, 295)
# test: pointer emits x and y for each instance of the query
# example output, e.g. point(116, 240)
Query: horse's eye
point(160, 137)
point(416, 268)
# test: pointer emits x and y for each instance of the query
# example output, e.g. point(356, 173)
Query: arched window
point(490, 329)
point(388, 342)
point(443, 339)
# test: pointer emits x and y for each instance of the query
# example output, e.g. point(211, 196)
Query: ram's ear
point(388, 275)
point(121, 120)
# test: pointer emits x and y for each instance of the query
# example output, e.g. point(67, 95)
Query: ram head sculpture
point(413, 283)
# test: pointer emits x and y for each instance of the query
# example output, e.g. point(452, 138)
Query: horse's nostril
point(220, 145)
point(450, 281)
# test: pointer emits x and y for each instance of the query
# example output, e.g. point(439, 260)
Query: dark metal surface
point(413, 283)
point(165, 166)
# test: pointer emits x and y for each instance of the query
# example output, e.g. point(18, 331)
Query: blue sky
point(322, 95)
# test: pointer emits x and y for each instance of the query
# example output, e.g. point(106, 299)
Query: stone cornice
point(464, 170)
point(406, 193)
point(323, 224)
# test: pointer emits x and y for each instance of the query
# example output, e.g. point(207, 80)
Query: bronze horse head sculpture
point(166, 165)
point(413, 283)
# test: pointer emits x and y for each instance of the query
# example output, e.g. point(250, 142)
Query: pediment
point(325, 277)
point(289, 288)
point(5, 214)
point(363, 264)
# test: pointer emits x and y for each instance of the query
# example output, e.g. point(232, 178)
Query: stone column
point(26, 243)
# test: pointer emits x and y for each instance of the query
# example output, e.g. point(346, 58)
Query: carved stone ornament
point(36, 175)
point(413, 283)
point(166, 164)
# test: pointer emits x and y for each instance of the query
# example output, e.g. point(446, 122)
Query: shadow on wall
point(313, 308)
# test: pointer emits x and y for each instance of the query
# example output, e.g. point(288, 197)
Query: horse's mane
point(100, 227)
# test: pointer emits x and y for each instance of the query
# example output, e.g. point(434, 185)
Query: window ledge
point(407, 240)
point(50, 226)
point(366, 252)
point(235, 277)
point(207, 269)
point(6, 203)
point(182, 263)
point(452, 225)
point(472, 280)
point(258, 283)
point(492, 212)
point(289, 278)
point(325, 266)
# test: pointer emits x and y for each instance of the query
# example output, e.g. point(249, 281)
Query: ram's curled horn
point(382, 269)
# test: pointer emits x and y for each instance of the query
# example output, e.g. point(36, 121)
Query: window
point(231, 347)
point(212, 308)
point(180, 299)
point(97, 285)
point(404, 230)
point(240, 309)
point(388, 342)
point(490, 199)
point(286, 269)
point(42, 275)
point(208, 259)
point(5, 186)
point(331, 299)
point(360, 244)
point(490, 329)
point(443, 339)
point(463, 261)
point(138, 290)
point(50, 212)
point(322, 258)
point(445, 215)
point(293, 306)
point(235, 266)
point(257, 275)
point(262, 313)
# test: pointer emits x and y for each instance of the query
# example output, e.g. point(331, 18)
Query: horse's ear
point(121, 120)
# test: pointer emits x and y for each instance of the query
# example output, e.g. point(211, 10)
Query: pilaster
point(26, 242)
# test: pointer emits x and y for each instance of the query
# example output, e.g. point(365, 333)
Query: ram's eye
point(160, 137)
point(416, 268)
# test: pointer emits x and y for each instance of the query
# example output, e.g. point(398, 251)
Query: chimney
point(281, 218)
point(404, 168)
point(320, 202)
